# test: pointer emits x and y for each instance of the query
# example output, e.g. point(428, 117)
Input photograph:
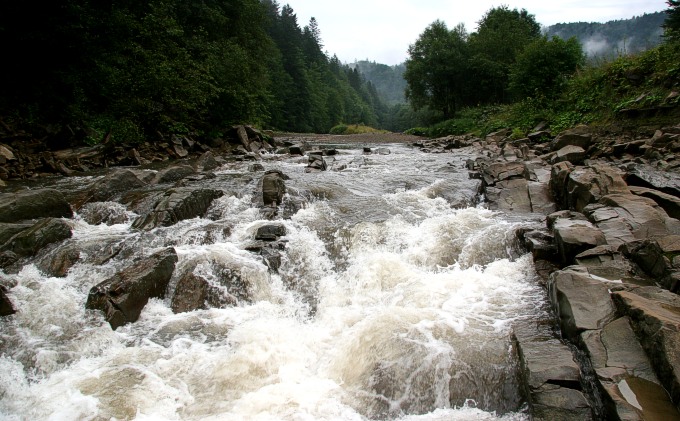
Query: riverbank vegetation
point(535, 79)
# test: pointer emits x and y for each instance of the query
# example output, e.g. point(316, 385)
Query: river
point(395, 299)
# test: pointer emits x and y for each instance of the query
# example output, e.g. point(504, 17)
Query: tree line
point(506, 59)
point(132, 68)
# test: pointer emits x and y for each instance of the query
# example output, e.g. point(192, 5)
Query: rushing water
point(390, 303)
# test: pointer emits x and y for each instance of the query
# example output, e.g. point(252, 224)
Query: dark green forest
point(135, 68)
point(613, 38)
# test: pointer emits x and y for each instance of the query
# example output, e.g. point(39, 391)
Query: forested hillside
point(616, 37)
point(388, 80)
point(135, 68)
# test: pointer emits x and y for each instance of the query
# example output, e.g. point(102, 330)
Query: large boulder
point(33, 204)
point(173, 174)
point(29, 241)
point(500, 171)
point(625, 375)
point(570, 153)
point(177, 205)
point(581, 302)
point(273, 188)
point(549, 374)
point(509, 195)
point(655, 318)
point(587, 185)
point(123, 296)
point(109, 213)
point(573, 236)
point(109, 187)
point(575, 137)
point(58, 262)
point(316, 163)
point(641, 216)
point(667, 202)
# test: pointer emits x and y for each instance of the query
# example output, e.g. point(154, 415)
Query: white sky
point(382, 30)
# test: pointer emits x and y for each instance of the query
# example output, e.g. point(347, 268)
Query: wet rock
point(639, 216)
point(570, 153)
point(109, 213)
point(194, 292)
point(177, 205)
point(28, 242)
point(110, 187)
point(540, 198)
point(584, 185)
point(383, 151)
point(668, 202)
point(575, 137)
point(608, 263)
point(367, 150)
point(549, 374)
point(6, 307)
point(655, 316)
point(656, 257)
point(296, 150)
point(33, 204)
point(581, 302)
point(652, 178)
point(206, 162)
point(509, 195)
point(122, 297)
point(8, 231)
point(58, 262)
point(559, 176)
point(540, 244)
point(173, 174)
point(500, 171)
point(624, 372)
point(270, 232)
point(575, 236)
point(316, 163)
point(273, 188)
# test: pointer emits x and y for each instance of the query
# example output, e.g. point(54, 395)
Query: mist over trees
point(613, 38)
point(136, 67)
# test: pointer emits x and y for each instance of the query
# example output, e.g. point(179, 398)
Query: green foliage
point(417, 131)
point(544, 66)
point(672, 24)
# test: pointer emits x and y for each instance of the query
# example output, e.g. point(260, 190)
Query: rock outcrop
point(122, 297)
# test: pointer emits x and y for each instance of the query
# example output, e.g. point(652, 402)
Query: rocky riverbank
point(609, 255)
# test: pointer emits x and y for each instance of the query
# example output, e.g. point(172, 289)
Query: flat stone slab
point(655, 318)
point(581, 302)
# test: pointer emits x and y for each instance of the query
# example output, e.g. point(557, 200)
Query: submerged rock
point(6, 307)
point(177, 205)
point(194, 292)
point(123, 296)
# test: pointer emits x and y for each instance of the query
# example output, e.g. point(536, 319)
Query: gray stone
point(655, 318)
point(206, 162)
point(587, 185)
point(572, 138)
point(273, 188)
point(123, 296)
point(28, 242)
point(500, 171)
point(173, 174)
point(575, 236)
point(109, 187)
point(569, 153)
point(580, 302)
point(650, 177)
point(270, 232)
point(177, 205)
point(667, 202)
point(33, 204)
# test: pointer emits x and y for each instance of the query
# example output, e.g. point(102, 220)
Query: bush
point(354, 129)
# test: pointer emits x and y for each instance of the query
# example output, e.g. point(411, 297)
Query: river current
point(394, 300)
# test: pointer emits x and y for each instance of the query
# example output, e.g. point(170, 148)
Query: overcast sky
point(382, 30)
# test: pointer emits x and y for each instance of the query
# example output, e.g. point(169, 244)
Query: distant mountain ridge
point(617, 37)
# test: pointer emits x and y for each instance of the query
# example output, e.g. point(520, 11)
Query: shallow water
point(394, 300)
